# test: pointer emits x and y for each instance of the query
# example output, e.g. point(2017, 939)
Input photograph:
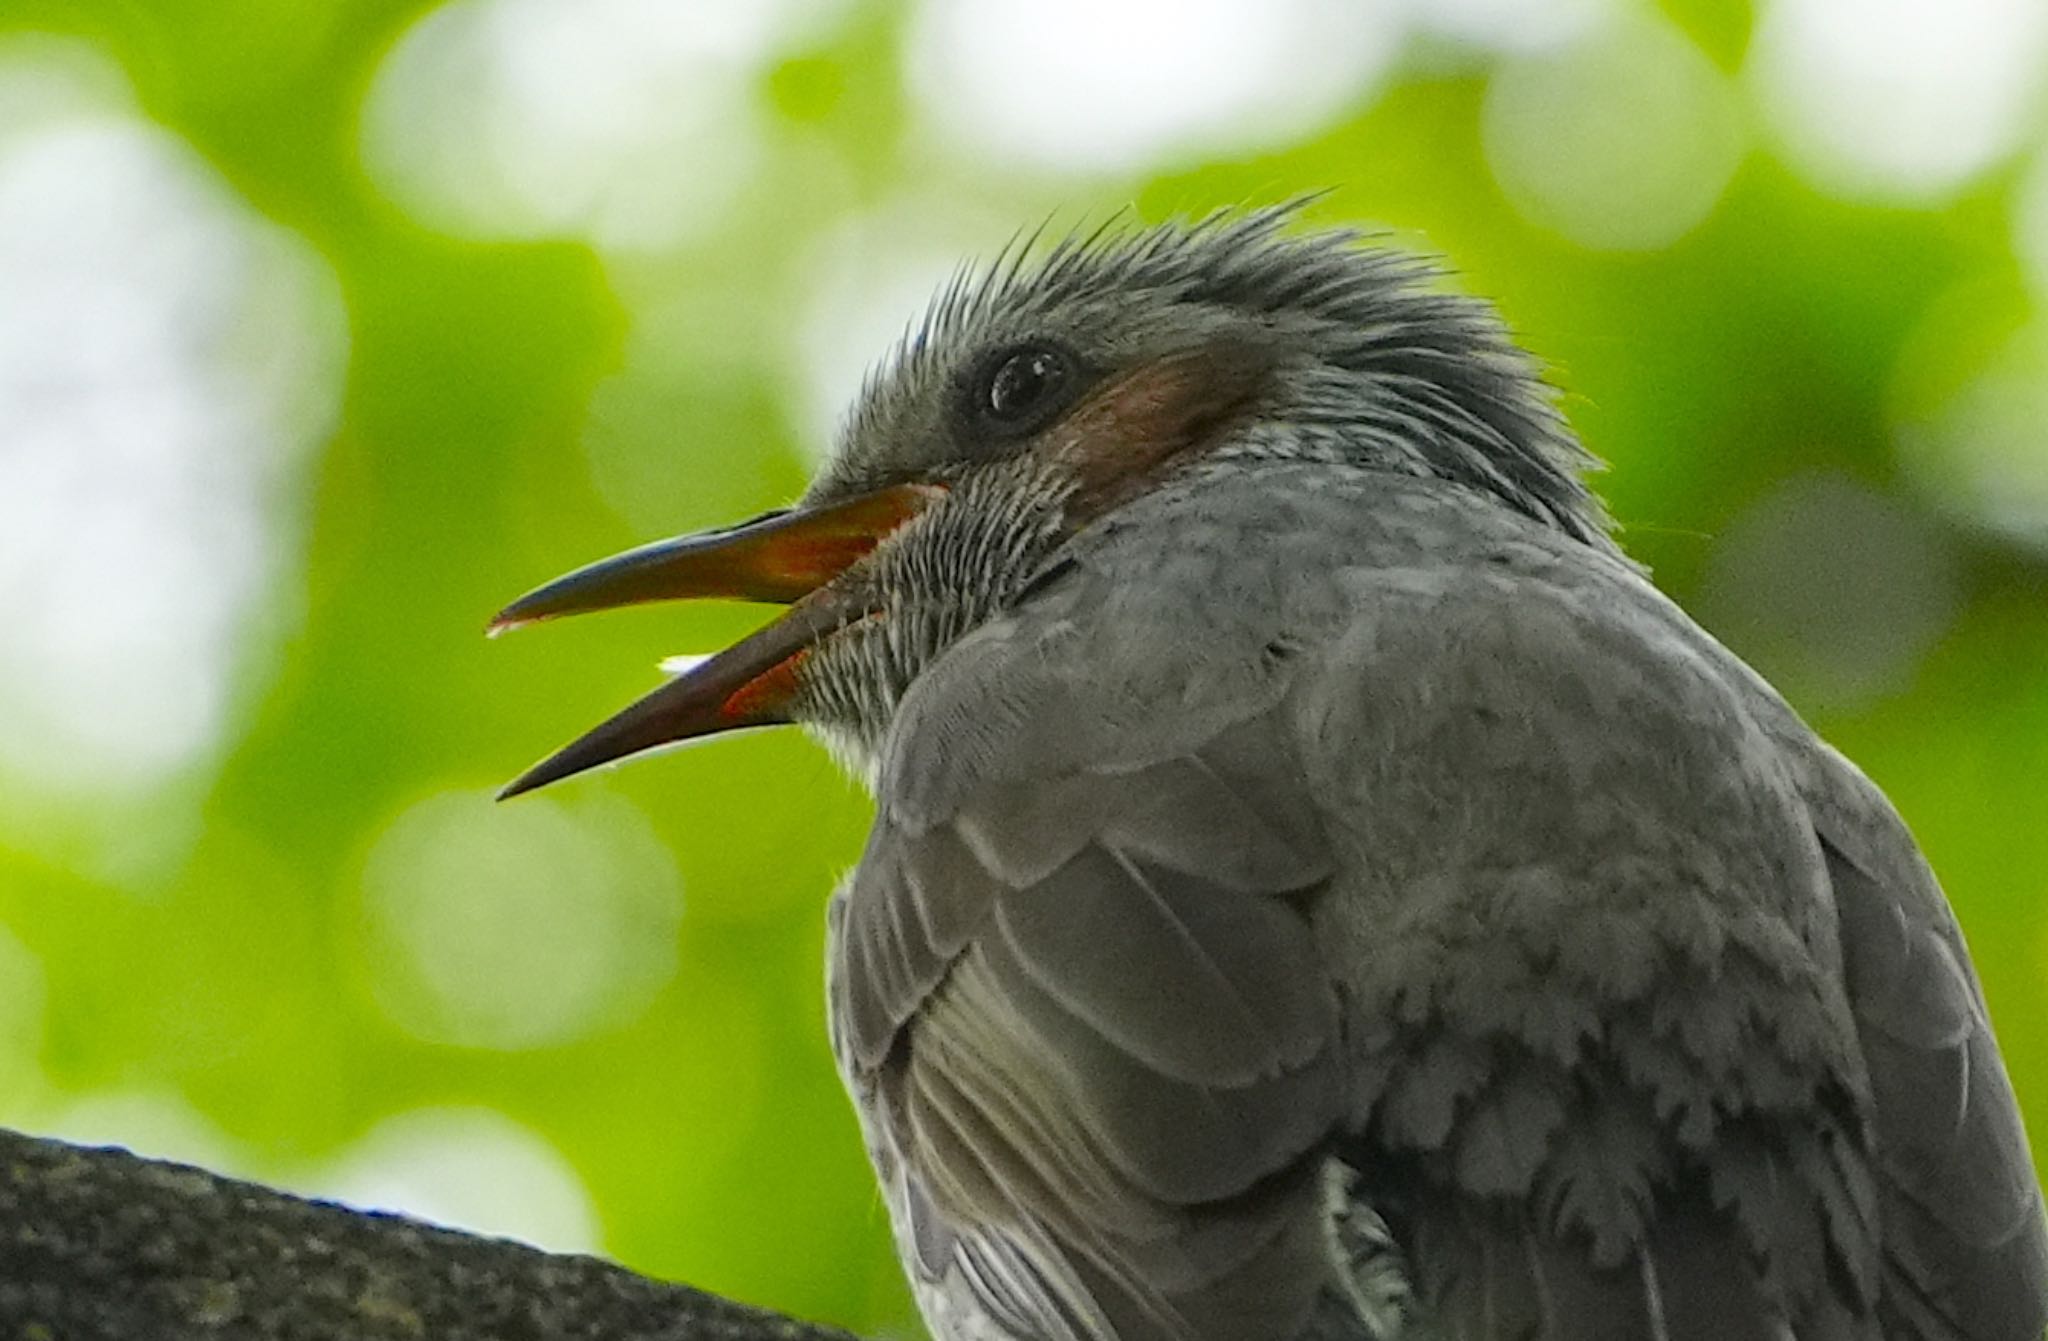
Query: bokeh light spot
point(467, 1168)
point(153, 1123)
point(1510, 25)
point(1984, 450)
point(865, 285)
point(1834, 592)
point(2030, 224)
point(24, 993)
point(1110, 85)
point(673, 444)
point(1623, 140)
point(519, 925)
point(166, 358)
point(1895, 99)
point(627, 121)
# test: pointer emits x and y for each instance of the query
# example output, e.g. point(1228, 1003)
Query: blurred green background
point(326, 327)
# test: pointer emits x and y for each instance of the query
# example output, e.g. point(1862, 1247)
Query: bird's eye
point(1025, 386)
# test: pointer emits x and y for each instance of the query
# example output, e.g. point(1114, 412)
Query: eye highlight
point(1024, 388)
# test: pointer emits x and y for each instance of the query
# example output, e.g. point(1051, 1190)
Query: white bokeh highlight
point(867, 283)
point(1117, 85)
point(1835, 591)
point(1983, 451)
point(522, 926)
point(1899, 99)
point(466, 1168)
point(167, 359)
point(155, 1123)
point(624, 121)
point(1623, 140)
point(2030, 224)
point(1509, 25)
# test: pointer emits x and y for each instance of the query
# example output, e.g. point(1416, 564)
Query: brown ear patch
point(1129, 431)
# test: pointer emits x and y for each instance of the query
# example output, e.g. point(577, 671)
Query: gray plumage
point(1332, 894)
point(1320, 890)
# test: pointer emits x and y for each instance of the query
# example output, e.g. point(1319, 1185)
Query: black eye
point(1026, 386)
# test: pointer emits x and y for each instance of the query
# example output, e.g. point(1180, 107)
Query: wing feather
point(1965, 1248)
point(1093, 1013)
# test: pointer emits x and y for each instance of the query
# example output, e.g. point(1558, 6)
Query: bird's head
point(1041, 395)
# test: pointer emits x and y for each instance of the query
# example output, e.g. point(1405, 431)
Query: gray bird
point(1319, 888)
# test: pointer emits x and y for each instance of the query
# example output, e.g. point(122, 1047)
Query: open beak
point(786, 557)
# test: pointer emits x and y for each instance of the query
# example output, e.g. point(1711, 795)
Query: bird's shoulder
point(1197, 608)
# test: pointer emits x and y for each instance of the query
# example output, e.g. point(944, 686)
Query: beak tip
point(566, 762)
point(519, 786)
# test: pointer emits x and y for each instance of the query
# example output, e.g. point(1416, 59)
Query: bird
point(1320, 889)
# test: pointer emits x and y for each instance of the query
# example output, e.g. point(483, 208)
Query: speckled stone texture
point(99, 1245)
